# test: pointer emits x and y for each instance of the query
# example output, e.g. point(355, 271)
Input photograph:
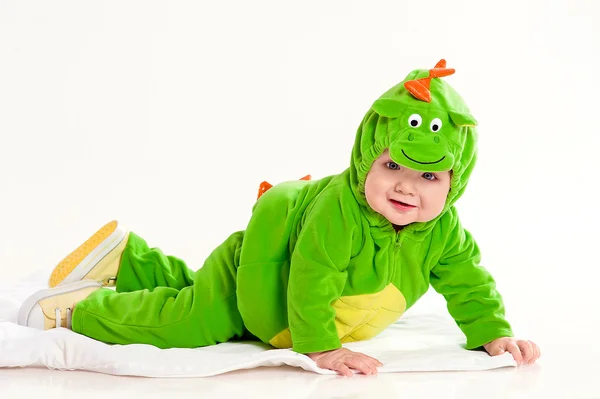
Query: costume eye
point(429, 176)
point(392, 165)
point(415, 120)
point(436, 125)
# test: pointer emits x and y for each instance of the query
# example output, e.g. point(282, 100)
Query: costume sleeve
point(318, 274)
point(470, 291)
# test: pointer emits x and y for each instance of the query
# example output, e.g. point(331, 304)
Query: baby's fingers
point(341, 368)
point(515, 351)
point(536, 352)
point(361, 364)
point(526, 350)
point(374, 361)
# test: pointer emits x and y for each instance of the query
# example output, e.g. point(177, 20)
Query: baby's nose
point(405, 186)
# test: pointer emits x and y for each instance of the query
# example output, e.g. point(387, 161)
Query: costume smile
point(424, 163)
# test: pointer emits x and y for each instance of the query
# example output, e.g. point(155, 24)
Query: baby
point(321, 262)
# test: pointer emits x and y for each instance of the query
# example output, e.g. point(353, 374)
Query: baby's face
point(403, 195)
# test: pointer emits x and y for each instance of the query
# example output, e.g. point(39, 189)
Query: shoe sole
point(82, 260)
point(29, 304)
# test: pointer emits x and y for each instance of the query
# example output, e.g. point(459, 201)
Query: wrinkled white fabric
point(417, 342)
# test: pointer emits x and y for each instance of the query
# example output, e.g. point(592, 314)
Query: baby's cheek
point(440, 205)
point(435, 207)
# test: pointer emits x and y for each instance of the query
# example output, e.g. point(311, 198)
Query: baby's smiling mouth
point(402, 205)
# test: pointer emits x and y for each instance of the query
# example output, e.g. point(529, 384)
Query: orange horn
point(419, 88)
point(440, 70)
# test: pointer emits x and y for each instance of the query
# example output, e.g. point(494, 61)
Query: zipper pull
point(398, 242)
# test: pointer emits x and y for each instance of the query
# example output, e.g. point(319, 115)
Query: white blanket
point(417, 342)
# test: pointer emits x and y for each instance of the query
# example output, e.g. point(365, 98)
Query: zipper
point(395, 254)
point(398, 240)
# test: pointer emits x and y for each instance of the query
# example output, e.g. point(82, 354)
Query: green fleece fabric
point(316, 265)
point(310, 243)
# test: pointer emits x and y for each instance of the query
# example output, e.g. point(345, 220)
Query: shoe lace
point(58, 317)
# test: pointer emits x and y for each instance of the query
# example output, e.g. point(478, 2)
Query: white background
point(168, 115)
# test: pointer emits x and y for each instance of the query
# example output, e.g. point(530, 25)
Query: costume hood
point(427, 127)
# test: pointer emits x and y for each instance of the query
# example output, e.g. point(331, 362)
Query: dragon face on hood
point(426, 126)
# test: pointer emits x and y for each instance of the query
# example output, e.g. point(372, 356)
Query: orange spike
point(440, 72)
point(426, 82)
point(264, 186)
point(419, 88)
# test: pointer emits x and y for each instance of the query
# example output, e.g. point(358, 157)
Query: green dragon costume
point(316, 266)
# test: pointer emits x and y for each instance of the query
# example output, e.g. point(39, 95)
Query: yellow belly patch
point(359, 317)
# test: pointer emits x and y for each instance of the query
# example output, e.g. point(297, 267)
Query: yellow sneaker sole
point(81, 261)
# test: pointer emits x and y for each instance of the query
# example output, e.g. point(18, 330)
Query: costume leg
point(201, 314)
point(146, 268)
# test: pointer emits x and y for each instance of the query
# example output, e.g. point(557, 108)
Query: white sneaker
point(52, 307)
point(96, 259)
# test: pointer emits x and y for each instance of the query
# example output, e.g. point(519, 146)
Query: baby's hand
point(342, 360)
point(524, 352)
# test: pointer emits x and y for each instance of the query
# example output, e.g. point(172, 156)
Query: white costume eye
point(415, 120)
point(436, 125)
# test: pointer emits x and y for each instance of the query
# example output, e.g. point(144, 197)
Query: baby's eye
point(392, 165)
point(435, 125)
point(429, 176)
point(415, 120)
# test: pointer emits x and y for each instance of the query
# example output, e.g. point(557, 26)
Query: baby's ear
point(388, 107)
point(462, 119)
